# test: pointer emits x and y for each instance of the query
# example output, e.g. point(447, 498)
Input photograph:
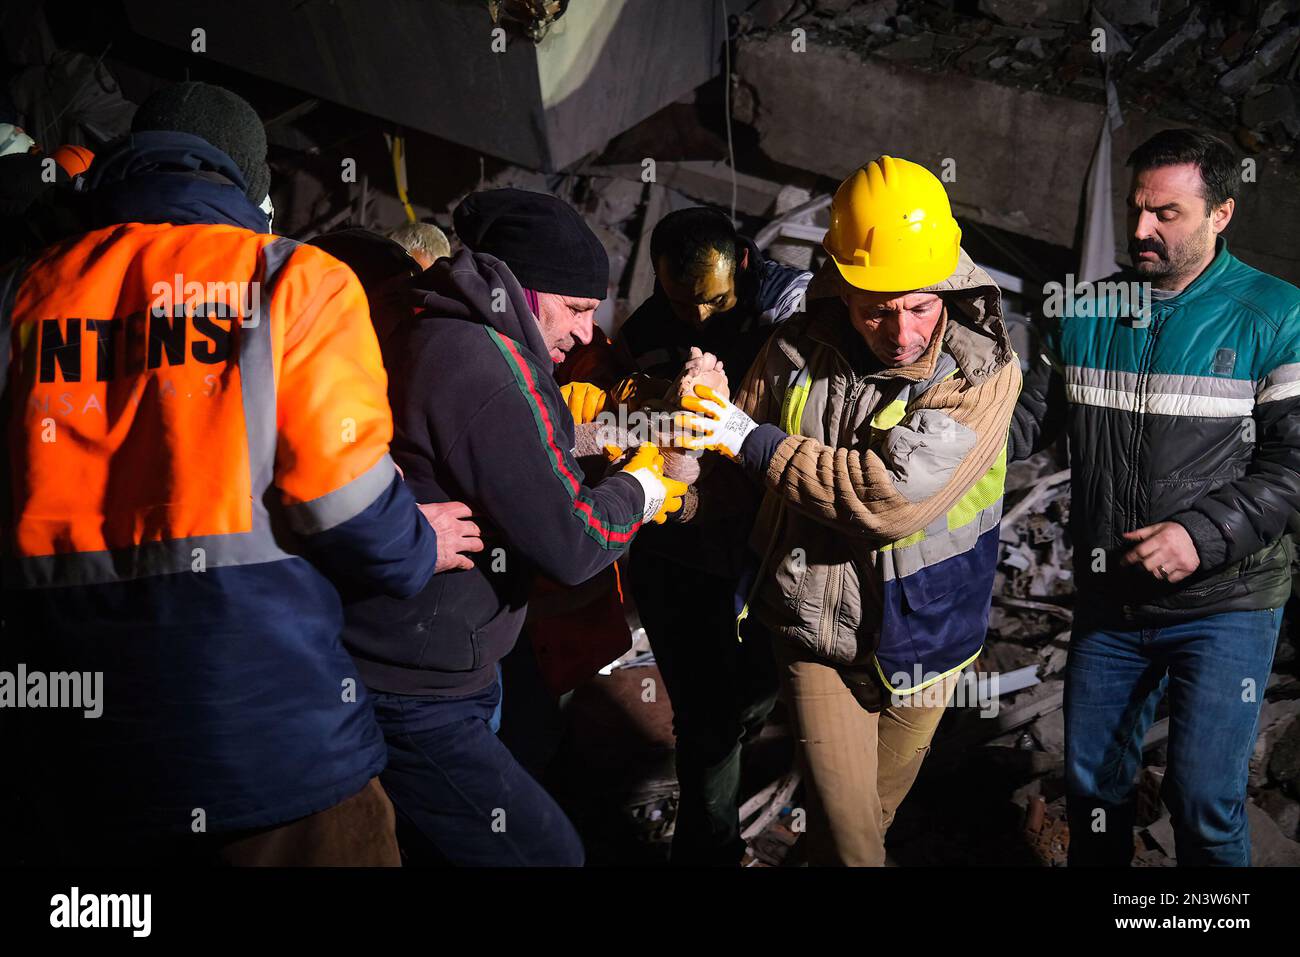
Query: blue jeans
point(1215, 670)
point(459, 794)
point(494, 722)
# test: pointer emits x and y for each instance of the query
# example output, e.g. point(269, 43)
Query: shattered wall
point(1013, 97)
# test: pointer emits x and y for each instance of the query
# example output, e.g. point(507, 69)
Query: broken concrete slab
point(1284, 761)
point(615, 200)
point(1269, 847)
point(1054, 660)
point(1049, 732)
point(1148, 804)
point(1033, 46)
point(601, 67)
point(1284, 810)
point(1027, 792)
point(1135, 12)
point(888, 107)
point(1159, 47)
point(792, 253)
point(1271, 56)
point(977, 55)
point(1273, 12)
point(708, 181)
point(1161, 832)
point(1021, 12)
point(1275, 718)
point(919, 47)
point(872, 14)
point(1278, 103)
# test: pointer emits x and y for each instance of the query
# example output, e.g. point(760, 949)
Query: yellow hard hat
point(892, 228)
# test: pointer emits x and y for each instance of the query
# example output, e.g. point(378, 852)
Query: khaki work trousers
point(858, 765)
point(357, 832)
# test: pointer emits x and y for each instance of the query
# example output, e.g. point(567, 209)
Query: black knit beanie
point(545, 242)
point(224, 119)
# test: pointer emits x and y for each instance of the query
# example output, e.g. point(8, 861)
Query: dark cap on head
point(545, 242)
point(224, 119)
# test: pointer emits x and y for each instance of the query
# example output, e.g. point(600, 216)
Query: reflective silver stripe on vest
point(939, 544)
point(197, 553)
point(200, 552)
point(322, 514)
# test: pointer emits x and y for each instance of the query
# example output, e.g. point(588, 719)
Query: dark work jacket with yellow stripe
point(479, 419)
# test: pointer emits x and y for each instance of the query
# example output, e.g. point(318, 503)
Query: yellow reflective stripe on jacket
point(796, 397)
point(890, 415)
point(981, 495)
point(924, 684)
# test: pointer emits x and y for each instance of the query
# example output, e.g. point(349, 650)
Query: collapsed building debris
point(1197, 58)
point(1034, 72)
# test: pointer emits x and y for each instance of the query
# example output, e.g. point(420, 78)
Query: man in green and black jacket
point(1179, 386)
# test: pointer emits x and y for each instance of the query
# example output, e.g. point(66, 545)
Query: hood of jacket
point(478, 288)
point(166, 177)
point(973, 331)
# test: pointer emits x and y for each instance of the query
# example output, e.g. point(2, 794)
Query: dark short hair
point(684, 239)
point(1218, 166)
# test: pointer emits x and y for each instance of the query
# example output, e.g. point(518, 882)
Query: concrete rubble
point(1205, 60)
point(1032, 72)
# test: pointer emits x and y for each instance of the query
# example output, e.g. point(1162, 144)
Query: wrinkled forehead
point(1178, 185)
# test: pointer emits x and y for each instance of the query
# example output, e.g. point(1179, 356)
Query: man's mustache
point(1139, 246)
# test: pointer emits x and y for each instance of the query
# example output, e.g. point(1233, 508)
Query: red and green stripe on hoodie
point(550, 422)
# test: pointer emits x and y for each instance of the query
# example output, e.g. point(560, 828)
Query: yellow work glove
point(663, 495)
point(711, 422)
point(637, 390)
point(584, 400)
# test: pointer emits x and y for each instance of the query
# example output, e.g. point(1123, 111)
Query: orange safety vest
point(194, 412)
point(163, 378)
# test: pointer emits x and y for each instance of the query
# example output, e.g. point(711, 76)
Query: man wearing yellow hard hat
point(876, 424)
